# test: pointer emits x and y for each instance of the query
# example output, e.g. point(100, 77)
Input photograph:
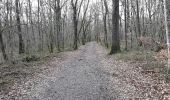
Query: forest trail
point(80, 78)
point(87, 74)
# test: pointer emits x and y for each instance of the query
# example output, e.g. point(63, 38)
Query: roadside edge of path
point(22, 89)
point(128, 78)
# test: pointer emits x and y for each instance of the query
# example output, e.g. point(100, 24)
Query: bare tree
point(31, 20)
point(39, 28)
point(76, 13)
point(126, 30)
point(2, 42)
point(105, 23)
point(21, 42)
point(51, 33)
point(84, 21)
point(115, 32)
point(58, 22)
point(167, 24)
point(138, 18)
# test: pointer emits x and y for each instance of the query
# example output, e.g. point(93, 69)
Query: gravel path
point(80, 78)
point(87, 74)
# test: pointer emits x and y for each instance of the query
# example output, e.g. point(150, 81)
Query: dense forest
point(28, 27)
point(35, 28)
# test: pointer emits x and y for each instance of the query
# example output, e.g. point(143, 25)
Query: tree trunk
point(167, 24)
point(115, 32)
point(2, 46)
point(126, 30)
point(58, 23)
point(39, 31)
point(21, 42)
point(84, 36)
point(51, 35)
point(138, 19)
point(30, 18)
point(75, 22)
point(105, 23)
point(83, 26)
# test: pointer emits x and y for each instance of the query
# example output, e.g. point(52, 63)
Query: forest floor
point(86, 74)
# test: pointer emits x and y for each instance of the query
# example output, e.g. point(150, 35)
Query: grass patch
point(21, 69)
point(135, 56)
point(146, 59)
point(30, 58)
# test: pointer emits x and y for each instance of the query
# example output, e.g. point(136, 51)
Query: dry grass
point(150, 62)
point(136, 56)
point(20, 70)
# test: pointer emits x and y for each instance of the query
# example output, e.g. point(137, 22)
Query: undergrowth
point(147, 60)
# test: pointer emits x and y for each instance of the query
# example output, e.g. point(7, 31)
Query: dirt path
point(80, 78)
point(86, 74)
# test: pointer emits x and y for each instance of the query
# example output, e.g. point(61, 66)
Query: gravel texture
point(79, 78)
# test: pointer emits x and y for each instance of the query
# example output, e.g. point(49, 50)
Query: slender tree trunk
point(83, 26)
point(115, 32)
point(28, 39)
point(126, 30)
point(63, 32)
point(21, 42)
point(84, 36)
point(167, 24)
point(39, 29)
point(58, 23)
point(42, 24)
point(105, 23)
point(7, 24)
point(96, 26)
point(131, 30)
point(128, 18)
point(138, 19)
point(2, 46)
point(75, 24)
point(30, 18)
point(51, 35)
point(11, 35)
